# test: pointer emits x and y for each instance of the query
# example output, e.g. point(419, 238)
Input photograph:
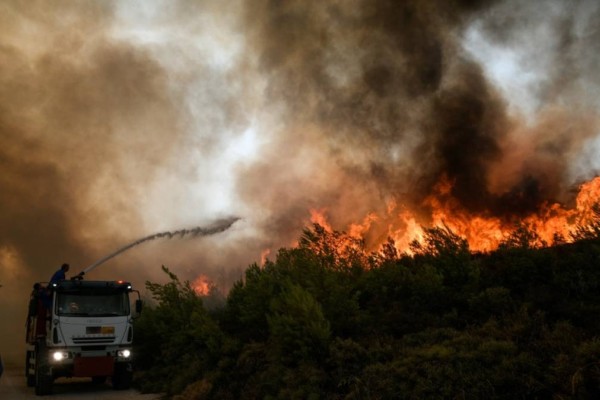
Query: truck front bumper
point(87, 364)
point(93, 366)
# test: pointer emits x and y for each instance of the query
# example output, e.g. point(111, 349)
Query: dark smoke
point(400, 105)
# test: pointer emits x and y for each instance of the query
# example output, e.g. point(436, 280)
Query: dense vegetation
point(326, 320)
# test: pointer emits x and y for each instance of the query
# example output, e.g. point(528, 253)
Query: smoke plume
point(399, 103)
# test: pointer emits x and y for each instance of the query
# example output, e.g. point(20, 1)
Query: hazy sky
point(119, 119)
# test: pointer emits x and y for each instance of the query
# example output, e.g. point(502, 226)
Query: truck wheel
point(43, 377)
point(121, 380)
point(30, 376)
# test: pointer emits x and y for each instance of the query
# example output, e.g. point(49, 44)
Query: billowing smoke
point(122, 118)
point(401, 97)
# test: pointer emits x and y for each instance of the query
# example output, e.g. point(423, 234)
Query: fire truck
point(78, 328)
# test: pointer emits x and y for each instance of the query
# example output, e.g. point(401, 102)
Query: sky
point(121, 119)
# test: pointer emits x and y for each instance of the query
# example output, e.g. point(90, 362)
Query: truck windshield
point(97, 305)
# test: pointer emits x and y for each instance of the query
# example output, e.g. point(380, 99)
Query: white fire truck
point(78, 328)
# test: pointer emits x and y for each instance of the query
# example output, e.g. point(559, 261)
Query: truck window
point(97, 305)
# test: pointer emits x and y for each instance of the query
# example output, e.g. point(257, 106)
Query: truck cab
point(78, 328)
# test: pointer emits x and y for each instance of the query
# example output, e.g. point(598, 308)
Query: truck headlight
point(125, 353)
point(60, 355)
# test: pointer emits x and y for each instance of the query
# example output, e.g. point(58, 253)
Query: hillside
point(328, 320)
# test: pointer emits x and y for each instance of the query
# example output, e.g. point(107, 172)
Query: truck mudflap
point(93, 366)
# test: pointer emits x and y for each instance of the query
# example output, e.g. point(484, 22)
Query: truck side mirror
point(138, 306)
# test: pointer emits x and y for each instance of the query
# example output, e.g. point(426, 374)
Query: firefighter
point(39, 293)
point(61, 274)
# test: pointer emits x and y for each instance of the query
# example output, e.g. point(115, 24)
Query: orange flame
point(264, 256)
point(483, 233)
point(202, 285)
point(318, 217)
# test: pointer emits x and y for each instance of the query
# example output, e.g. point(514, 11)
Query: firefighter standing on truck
point(61, 274)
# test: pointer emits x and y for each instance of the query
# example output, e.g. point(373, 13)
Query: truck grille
point(94, 340)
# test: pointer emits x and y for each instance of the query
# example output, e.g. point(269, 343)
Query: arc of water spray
point(216, 227)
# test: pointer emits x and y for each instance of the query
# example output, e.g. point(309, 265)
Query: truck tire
point(43, 377)
point(121, 380)
point(30, 377)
